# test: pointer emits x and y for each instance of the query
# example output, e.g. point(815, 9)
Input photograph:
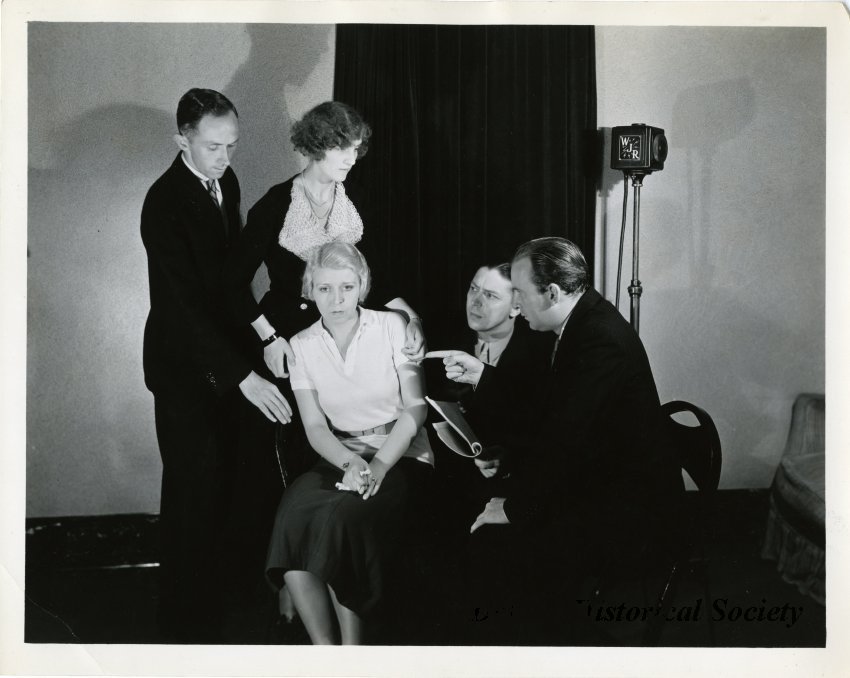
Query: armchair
point(796, 535)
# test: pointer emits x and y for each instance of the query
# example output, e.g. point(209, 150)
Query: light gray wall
point(732, 231)
point(101, 110)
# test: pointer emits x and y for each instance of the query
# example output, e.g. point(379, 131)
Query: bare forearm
point(328, 447)
point(400, 438)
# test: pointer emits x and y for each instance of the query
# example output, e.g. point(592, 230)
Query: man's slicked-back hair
point(197, 103)
point(336, 255)
point(555, 260)
point(504, 269)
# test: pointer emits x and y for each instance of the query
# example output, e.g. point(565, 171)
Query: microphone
point(638, 149)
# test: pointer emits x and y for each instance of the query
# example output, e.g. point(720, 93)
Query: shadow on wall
point(87, 301)
point(706, 117)
point(87, 287)
point(281, 60)
point(701, 334)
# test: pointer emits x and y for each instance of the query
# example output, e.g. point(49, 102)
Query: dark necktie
point(214, 195)
point(558, 340)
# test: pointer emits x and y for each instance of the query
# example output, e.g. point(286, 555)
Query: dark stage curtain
point(483, 137)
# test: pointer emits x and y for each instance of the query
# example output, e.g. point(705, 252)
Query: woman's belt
point(381, 430)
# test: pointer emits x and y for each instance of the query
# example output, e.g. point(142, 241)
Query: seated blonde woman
point(362, 404)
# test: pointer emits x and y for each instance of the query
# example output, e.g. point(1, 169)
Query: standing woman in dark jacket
point(290, 221)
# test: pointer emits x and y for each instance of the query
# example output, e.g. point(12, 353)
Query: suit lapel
point(587, 301)
point(209, 216)
point(230, 204)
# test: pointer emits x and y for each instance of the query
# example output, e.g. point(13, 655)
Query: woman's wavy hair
point(331, 124)
point(336, 255)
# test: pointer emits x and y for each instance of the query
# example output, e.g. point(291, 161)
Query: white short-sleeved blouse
point(362, 390)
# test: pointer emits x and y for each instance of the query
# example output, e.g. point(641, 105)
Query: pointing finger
point(442, 354)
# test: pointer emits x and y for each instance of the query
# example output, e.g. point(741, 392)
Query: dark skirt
point(349, 543)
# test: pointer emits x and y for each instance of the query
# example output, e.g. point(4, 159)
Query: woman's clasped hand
point(363, 477)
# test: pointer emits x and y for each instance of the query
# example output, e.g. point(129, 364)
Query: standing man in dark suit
point(598, 480)
point(192, 360)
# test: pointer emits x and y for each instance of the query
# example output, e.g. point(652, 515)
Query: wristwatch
point(274, 336)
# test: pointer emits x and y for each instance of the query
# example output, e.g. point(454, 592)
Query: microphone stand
point(635, 289)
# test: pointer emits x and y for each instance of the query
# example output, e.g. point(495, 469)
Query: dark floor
point(94, 581)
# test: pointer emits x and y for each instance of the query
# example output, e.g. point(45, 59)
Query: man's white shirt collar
point(204, 179)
